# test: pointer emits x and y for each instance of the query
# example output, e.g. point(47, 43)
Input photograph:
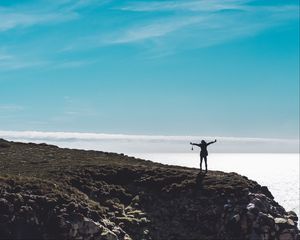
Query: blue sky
point(192, 67)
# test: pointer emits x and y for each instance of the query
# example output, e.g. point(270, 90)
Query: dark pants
point(205, 160)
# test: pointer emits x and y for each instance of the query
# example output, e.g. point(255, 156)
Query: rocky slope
point(51, 193)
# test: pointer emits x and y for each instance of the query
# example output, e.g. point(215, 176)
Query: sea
point(279, 172)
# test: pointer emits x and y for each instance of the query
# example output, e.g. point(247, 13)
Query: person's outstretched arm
point(195, 144)
point(211, 142)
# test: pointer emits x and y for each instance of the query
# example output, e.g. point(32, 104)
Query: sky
point(225, 68)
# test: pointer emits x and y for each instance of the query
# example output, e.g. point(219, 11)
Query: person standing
point(203, 153)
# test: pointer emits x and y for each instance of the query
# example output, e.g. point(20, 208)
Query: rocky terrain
point(51, 193)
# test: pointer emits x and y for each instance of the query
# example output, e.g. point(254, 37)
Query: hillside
point(48, 192)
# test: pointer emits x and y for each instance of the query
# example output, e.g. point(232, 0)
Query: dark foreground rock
point(51, 193)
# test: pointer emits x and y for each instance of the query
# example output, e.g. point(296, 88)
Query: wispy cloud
point(5, 57)
point(10, 62)
point(13, 18)
point(153, 30)
point(194, 24)
point(43, 12)
point(10, 107)
point(72, 64)
point(149, 143)
point(9, 66)
point(165, 27)
point(79, 4)
point(188, 5)
point(160, 28)
point(25, 15)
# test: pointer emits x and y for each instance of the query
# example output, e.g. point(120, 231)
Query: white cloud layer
point(152, 144)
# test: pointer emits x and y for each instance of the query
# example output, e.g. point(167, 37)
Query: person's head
point(203, 142)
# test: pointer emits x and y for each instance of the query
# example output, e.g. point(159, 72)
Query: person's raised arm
point(195, 144)
point(211, 142)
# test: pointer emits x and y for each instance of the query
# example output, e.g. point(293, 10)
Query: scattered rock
point(51, 193)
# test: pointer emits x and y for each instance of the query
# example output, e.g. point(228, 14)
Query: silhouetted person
point(203, 153)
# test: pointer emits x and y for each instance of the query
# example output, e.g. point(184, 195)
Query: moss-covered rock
point(51, 193)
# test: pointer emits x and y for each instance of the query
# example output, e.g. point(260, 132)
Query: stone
point(90, 227)
point(144, 220)
point(246, 191)
point(251, 207)
point(292, 215)
point(126, 237)
point(290, 222)
point(280, 220)
point(265, 219)
point(227, 207)
point(136, 199)
point(3, 203)
point(259, 204)
point(109, 235)
point(236, 218)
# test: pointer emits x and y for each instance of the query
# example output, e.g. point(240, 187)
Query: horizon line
point(68, 135)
